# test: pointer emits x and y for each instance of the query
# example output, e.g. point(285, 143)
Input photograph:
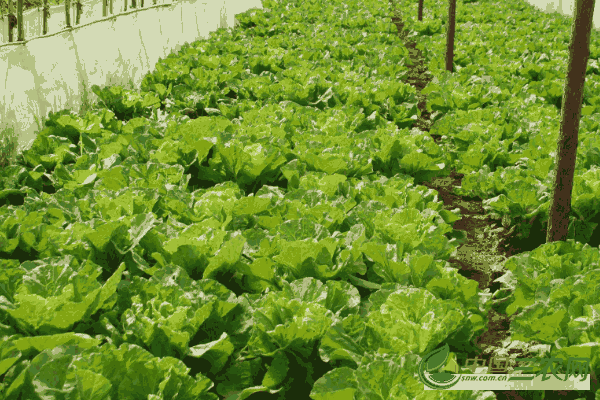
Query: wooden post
point(68, 13)
point(12, 20)
point(450, 35)
point(20, 31)
point(566, 153)
point(420, 10)
point(46, 13)
point(79, 6)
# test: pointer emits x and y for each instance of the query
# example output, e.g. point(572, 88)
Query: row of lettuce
point(501, 107)
point(277, 242)
point(499, 114)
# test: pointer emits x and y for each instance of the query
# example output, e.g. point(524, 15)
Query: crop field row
point(304, 207)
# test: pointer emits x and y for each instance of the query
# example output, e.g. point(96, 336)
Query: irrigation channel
point(488, 243)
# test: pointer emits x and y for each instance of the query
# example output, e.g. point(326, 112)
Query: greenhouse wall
point(55, 71)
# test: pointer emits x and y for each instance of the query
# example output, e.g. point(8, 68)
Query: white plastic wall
point(564, 7)
point(49, 73)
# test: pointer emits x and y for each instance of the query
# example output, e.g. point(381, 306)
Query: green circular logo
point(430, 369)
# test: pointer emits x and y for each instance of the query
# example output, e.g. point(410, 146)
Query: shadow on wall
point(28, 5)
point(53, 72)
point(91, 11)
